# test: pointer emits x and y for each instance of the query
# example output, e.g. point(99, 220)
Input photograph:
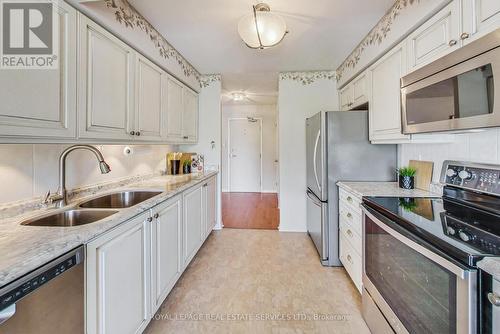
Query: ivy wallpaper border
point(376, 35)
point(128, 16)
point(307, 78)
point(207, 79)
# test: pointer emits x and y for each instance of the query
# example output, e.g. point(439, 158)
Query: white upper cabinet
point(106, 84)
point(42, 103)
point(166, 246)
point(479, 18)
point(151, 104)
point(435, 38)
point(355, 93)
point(174, 110)
point(346, 98)
point(385, 102)
point(190, 117)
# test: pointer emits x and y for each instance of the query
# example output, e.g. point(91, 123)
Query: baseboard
point(292, 230)
point(269, 191)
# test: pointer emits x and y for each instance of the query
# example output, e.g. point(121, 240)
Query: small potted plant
point(407, 177)
point(186, 166)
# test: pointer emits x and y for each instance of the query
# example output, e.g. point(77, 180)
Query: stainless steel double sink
point(92, 210)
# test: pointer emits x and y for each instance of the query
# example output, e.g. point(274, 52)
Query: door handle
point(314, 160)
point(7, 313)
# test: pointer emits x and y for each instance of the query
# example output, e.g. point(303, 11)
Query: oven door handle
point(7, 313)
point(461, 273)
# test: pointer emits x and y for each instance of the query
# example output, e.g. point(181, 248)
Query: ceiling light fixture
point(262, 29)
point(237, 96)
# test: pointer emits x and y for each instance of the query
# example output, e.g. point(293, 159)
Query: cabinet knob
point(137, 133)
point(453, 42)
point(349, 198)
point(494, 299)
point(464, 35)
point(150, 219)
point(349, 233)
point(349, 215)
point(185, 137)
point(349, 258)
point(156, 216)
point(132, 133)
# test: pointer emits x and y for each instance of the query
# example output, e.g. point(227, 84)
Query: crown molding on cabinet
point(128, 16)
point(207, 79)
point(307, 78)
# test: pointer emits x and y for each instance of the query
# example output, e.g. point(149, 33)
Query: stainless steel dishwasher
point(49, 299)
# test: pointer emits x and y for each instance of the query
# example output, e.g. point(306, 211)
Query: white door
point(245, 155)
point(166, 239)
point(118, 279)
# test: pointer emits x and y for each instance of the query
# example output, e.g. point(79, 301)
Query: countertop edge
point(382, 189)
point(491, 266)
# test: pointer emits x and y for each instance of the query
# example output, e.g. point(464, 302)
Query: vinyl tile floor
point(260, 281)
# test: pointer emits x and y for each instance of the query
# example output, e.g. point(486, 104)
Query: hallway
point(255, 281)
point(250, 210)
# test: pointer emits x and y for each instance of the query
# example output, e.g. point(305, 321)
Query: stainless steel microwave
point(455, 92)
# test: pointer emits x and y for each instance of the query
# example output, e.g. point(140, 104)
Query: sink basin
point(119, 200)
point(70, 218)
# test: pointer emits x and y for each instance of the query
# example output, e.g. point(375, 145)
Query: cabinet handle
point(349, 198)
point(349, 258)
point(349, 215)
point(453, 42)
point(349, 233)
point(494, 299)
point(156, 216)
point(132, 133)
point(137, 133)
point(150, 219)
point(464, 35)
point(185, 137)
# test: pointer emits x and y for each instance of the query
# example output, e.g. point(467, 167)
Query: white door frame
point(259, 119)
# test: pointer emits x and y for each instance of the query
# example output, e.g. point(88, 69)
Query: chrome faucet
point(61, 196)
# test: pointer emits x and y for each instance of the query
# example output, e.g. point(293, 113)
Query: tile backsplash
point(483, 146)
point(28, 171)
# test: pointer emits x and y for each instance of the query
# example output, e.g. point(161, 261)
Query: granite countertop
point(383, 189)
point(491, 265)
point(25, 248)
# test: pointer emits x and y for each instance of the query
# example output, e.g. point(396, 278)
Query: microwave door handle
point(315, 168)
point(416, 247)
point(7, 313)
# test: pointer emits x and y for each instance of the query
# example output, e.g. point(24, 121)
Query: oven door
point(489, 304)
point(417, 290)
point(459, 97)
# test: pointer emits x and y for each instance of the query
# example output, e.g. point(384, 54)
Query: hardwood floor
point(250, 211)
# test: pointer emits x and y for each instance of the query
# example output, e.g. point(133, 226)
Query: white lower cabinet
point(166, 248)
point(193, 222)
point(210, 205)
point(118, 279)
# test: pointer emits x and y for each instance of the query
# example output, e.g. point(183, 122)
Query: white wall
point(28, 171)
point(210, 122)
point(296, 102)
point(475, 147)
point(269, 137)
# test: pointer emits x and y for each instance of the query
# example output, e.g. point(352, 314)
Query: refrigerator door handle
point(314, 160)
point(313, 198)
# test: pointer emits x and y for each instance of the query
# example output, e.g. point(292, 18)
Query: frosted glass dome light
point(262, 29)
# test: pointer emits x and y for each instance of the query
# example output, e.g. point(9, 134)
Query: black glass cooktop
point(464, 232)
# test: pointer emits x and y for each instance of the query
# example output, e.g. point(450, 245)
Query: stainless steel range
point(420, 271)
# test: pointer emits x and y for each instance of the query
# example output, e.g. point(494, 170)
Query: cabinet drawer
point(351, 236)
point(352, 262)
point(348, 215)
point(351, 200)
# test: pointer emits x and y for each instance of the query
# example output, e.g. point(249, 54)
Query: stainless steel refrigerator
point(338, 149)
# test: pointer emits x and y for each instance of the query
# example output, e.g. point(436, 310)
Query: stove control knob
point(451, 173)
point(451, 230)
point(465, 175)
point(465, 236)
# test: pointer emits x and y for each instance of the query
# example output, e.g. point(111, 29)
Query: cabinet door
point(360, 90)
point(210, 205)
point(166, 238)
point(479, 18)
point(385, 107)
point(190, 117)
point(175, 108)
point(192, 221)
point(435, 38)
point(106, 74)
point(42, 103)
point(118, 279)
point(346, 98)
point(150, 100)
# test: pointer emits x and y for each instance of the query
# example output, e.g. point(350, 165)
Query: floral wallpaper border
point(376, 35)
point(128, 16)
point(207, 79)
point(307, 78)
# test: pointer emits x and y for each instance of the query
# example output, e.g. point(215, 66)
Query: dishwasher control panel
point(15, 291)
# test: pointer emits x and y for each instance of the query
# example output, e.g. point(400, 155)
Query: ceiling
point(322, 34)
